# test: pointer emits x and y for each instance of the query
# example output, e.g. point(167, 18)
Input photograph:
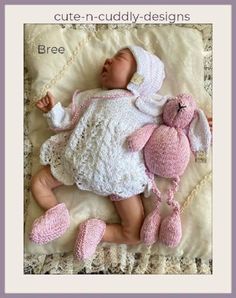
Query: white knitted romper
point(94, 154)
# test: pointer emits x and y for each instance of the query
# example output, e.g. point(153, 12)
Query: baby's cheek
point(120, 79)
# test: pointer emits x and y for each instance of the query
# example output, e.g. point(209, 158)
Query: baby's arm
point(57, 116)
point(138, 139)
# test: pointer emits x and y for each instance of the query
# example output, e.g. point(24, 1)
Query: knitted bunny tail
point(90, 234)
point(150, 227)
point(50, 225)
point(171, 230)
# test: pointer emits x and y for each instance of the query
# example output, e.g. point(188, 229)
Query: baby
point(90, 151)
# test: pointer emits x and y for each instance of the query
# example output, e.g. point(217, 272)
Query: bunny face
point(178, 111)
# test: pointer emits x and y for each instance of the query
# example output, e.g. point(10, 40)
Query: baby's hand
point(46, 103)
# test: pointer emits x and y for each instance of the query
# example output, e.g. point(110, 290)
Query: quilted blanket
point(186, 52)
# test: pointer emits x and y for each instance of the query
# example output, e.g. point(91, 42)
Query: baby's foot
point(50, 225)
point(90, 234)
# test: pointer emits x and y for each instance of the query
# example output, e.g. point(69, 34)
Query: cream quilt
point(181, 50)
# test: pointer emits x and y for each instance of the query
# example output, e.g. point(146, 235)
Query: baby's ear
point(199, 135)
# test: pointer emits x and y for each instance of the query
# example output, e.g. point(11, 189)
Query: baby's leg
point(42, 185)
point(132, 215)
point(56, 220)
point(93, 230)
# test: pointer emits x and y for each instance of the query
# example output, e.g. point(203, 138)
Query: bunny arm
point(138, 139)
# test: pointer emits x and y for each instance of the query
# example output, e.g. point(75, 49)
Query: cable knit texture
point(90, 234)
point(51, 225)
point(94, 155)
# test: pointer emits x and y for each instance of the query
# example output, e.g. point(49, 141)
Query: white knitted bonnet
point(147, 81)
point(148, 78)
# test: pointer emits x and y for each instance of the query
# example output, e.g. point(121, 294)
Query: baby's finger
point(43, 98)
point(49, 94)
point(39, 104)
point(46, 100)
point(51, 97)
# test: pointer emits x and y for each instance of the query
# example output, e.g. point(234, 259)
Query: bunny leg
point(151, 224)
point(171, 229)
point(150, 227)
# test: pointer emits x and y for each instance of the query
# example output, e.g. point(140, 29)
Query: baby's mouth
point(104, 70)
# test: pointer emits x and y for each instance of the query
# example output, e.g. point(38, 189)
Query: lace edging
point(115, 261)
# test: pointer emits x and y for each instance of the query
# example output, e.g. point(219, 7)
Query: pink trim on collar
point(78, 111)
point(113, 94)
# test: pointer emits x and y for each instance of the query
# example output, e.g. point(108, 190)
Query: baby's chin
point(106, 84)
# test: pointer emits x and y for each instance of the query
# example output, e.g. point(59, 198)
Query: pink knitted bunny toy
point(166, 152)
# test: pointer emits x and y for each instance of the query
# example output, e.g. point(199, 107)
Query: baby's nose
point(108, 61)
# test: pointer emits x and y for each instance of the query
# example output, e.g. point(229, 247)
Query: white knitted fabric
point(151, 105)
point(94, 154)
point(149, 75)
point(199, 133)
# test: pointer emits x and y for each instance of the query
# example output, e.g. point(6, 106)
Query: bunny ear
point(199, 136)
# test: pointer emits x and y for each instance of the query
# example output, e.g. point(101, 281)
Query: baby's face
point(118, 70)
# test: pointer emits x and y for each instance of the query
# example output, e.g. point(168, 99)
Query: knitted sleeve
point(65, 118)
point(59, 117)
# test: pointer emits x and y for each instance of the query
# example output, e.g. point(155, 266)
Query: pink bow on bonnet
point(147, 81)
point(166, 150)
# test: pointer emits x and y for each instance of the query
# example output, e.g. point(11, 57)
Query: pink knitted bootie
point(51, 225)
point(150, 227)
point(90, 234)
point(171, 230)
